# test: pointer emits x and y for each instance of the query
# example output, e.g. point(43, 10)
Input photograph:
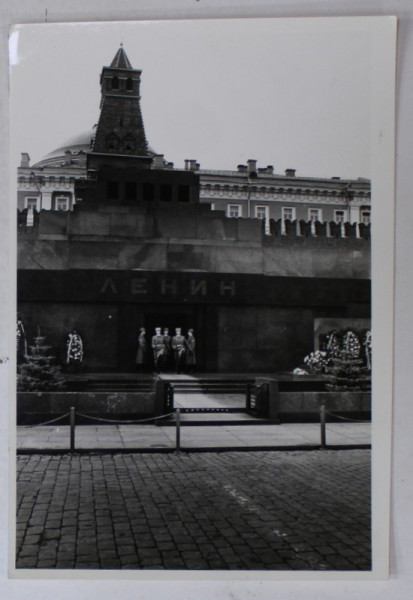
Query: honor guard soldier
point(158, 348)
point(178, 347)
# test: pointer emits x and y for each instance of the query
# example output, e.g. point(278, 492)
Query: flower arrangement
point(316, 362)
point(332, 344)
point(351, 344)
point(299, 371)
point(345, 357)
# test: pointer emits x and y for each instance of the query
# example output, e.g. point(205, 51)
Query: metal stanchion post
point(72, 427)
point(323, 425)
point(178, 429)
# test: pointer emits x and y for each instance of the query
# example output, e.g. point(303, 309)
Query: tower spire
point(120, 130)
point(121, 61)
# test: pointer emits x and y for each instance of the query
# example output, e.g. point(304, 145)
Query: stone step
point(216, 386)
point(195, 410)
point(214, 417)
point(108, 386)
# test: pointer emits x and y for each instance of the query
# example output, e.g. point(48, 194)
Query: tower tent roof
point(121, 61)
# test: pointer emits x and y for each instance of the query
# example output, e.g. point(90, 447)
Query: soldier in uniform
point(142, 347)
point(190, 351)
point(168, 348)
point(158, 348)
point(178, 347)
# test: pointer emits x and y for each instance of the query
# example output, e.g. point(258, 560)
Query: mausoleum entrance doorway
point(133, 317)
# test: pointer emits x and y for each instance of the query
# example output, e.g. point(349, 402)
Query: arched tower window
point(115, 83)
point(129, 143)
point(112, 141)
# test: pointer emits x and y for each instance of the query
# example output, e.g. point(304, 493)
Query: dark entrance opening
point(168, 321)
point(132, 317)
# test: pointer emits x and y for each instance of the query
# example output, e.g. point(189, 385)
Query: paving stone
point(163, 546)
point(65, 564)
point(27, 562)
point(106, 544)
point(87, 564)
point(128, 562)
point(110, 564)
point(29, 550)
point(108, 555)
point(66, 554)
point(148, 553)
point(255, 510)
point(196, 564)
point(32, 539)
point(51, 534)
point(46, 564)
point(126, 550)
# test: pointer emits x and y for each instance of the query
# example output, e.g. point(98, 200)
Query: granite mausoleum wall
point(185, 238)
point(251, 298)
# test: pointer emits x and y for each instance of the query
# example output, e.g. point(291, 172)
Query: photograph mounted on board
point(194, 307)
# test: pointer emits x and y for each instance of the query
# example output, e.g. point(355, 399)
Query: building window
point(314, 214)
point(166, 192)
point(366, 217)
point(130, 190)
point(288, 213)
point(129, 84)
point(234, 211)
point(31, 203)
point(183, 193)
point(115, 83)
point(113, 190)
point(112, 141)
point(129, 143)
point(62, 203)
point(261, 212)
point(148, 192)
point(339, 216)
point(212, 205)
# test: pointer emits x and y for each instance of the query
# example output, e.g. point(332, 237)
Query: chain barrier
point(98, 419)
point(323, 423)
point(346, 418)
point(120, 422)
point(46, 422)
point(73, 414)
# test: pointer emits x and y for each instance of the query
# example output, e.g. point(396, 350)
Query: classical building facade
point(253, 192)
point(118, 239)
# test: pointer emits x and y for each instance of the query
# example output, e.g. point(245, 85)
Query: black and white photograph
point(203, 358)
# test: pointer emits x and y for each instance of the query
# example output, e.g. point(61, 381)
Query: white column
point(354, 216)
point(46, 201)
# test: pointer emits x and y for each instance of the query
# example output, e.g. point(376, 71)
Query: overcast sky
point(295, 93)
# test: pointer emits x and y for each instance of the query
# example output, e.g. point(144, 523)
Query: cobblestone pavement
point(234, 510)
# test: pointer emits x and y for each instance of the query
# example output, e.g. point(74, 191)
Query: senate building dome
point(74, 148)
point(77, 146)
